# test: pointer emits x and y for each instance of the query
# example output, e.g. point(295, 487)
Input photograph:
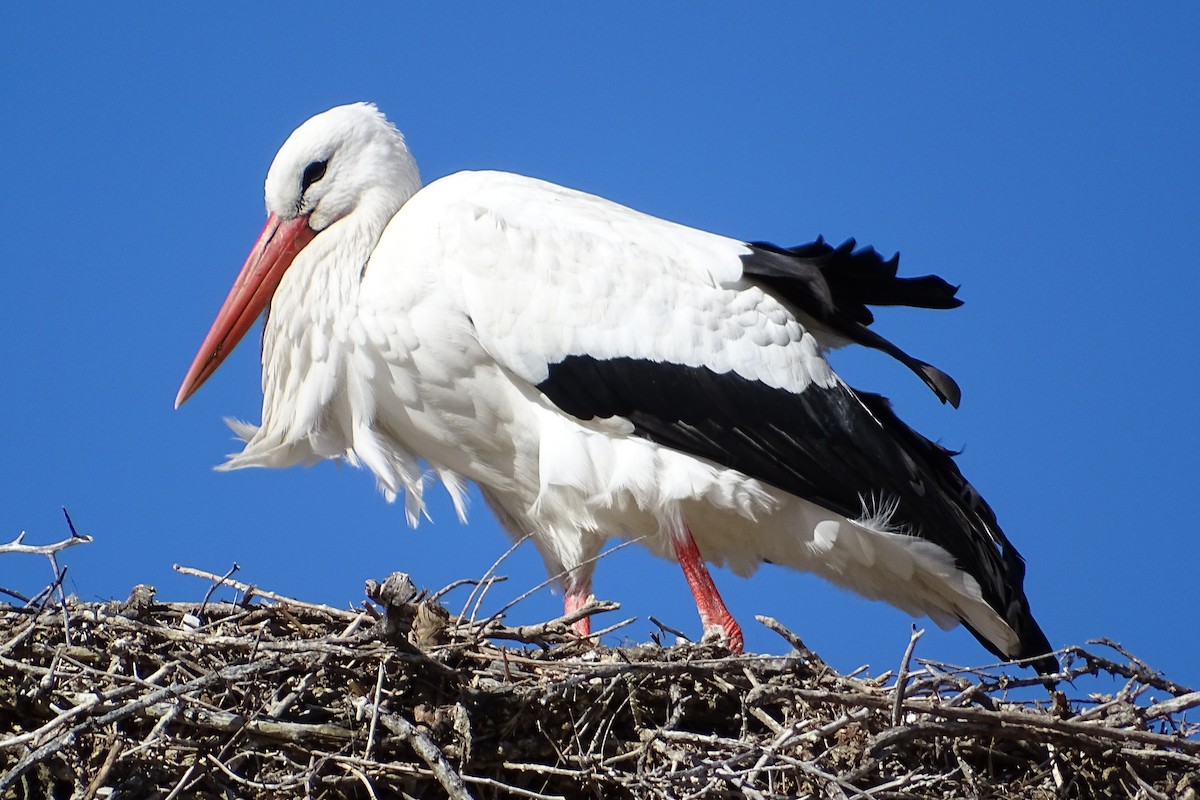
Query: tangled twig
point(276, 697)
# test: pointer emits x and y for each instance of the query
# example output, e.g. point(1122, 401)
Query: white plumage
point(599, 372)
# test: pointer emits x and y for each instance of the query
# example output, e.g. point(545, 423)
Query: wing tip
point(1033, 648)
point(942, 384)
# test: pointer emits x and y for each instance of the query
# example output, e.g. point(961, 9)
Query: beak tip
point(182, 397)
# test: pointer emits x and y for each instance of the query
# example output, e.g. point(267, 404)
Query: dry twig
point(289, 698)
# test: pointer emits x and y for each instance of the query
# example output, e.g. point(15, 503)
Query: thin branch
point(902, 675)
point(484, 583)
point(224, 579)
point(1169, 707)
point(428, 752)
point(679, 635)
point(375, 705)
point(247, 588)
point(17, 546)
point(492, 783)
point(252, 784)
point(555, 578)
point(558, 629)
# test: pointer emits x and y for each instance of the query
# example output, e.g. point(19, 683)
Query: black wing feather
point(832, 446)
point(835, 286)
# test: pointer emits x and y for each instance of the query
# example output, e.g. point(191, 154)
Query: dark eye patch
point(312, 173)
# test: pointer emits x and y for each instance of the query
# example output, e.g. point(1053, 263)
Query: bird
point(599, 372)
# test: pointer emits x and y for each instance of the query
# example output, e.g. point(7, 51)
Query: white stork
point(600, 372)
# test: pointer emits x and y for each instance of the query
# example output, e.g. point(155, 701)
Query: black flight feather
point(832, 446)
point(835, 285)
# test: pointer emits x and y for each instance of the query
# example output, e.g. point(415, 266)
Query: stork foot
point(726, 632)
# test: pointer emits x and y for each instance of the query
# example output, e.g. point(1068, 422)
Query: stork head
point(344, 162)
point(337, 161)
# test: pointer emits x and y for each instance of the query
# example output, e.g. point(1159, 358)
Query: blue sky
point(1044, 159)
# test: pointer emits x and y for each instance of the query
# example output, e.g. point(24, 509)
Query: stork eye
point(312, 173)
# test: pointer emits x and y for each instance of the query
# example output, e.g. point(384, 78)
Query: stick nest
point(259, 699)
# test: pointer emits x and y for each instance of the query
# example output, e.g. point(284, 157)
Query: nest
point(273, 697)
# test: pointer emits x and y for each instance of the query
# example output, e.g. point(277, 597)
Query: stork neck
point(309, 331)
point(325, 276)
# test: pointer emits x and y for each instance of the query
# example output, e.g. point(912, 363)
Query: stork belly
point(600, 483)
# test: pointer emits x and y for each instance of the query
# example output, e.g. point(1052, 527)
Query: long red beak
point(270, 257)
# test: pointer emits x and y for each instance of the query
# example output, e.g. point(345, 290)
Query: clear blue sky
point(1045, 158)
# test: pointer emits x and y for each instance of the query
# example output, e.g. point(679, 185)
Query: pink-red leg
point(713, 614)
point(575, 599)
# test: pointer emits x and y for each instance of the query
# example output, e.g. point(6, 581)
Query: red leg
point(575, 599)
point(713, 613)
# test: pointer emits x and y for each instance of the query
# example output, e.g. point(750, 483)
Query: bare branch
point(17, 545)
point(429, 753)
point(220, 581)
point(247, 588)
point(375, 710)
point(902, 675)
